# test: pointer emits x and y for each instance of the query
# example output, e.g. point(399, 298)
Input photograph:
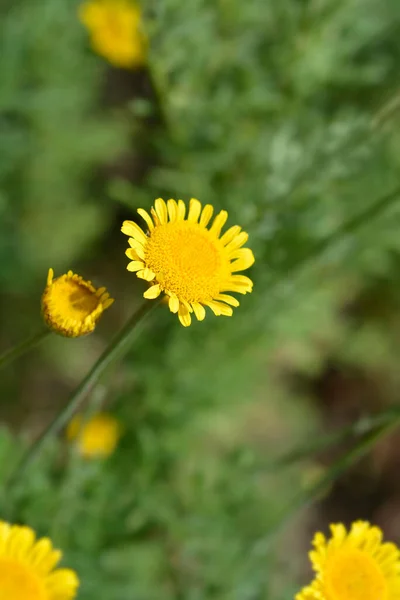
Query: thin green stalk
point(339, 467)
point(13, 353)
point(352, 432)
point(371, 211)
point(117, 348)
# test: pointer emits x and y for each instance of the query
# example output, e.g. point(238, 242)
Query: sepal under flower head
point(72, 306)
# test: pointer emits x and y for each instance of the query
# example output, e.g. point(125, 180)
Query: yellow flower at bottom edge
point(72, 306)
point(190, 263)
point(98, 437)
point(116, 31)
point(354, 565)
point(27, 567)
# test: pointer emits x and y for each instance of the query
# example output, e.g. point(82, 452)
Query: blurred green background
point(287, 114)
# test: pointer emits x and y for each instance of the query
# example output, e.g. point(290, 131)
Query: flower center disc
point(17, 582)
point(74, 301)
point(354, 575)
point(187, 260)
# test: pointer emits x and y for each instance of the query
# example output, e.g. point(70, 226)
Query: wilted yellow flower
point(98, 437)
point(116, 31)
point(72, 306)
point(27, 567)
point(191, 264)
point(354, 565)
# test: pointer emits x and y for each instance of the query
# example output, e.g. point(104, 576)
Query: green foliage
point(280, 112)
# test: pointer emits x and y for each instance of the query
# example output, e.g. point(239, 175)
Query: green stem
point(352, 432)
point(13, 353)
point(336, 470)
point(117, 348)
point(371, 211)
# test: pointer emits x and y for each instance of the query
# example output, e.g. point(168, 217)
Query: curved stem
point(340, 466)
point(363, 426)
point(13, 353)
point(117, 348)
point(354, 223)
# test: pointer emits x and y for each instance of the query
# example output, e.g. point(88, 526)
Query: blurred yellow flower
point(72, 306)
point(27, 567)
point(354, 565)
point(98, 437)
point(116, 31)
point(189, 263)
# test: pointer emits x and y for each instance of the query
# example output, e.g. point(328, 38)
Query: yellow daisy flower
point(27, 567)
point(190, 263)
point(116, 31)
point(354, 565)
point(72, 306)
point(98, 437)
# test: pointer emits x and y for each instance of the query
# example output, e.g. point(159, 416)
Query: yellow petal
point(132, 254)
point(206, 215)
point(108, 303)
point(214, 307)
point(219, 222)
point(161, 210)
point(146, 274)
point(219, 308)
point(42, 554)
point(228, 299)
point(181, 210)
point(239, 283)
point(50, 276)
point(187, 305)
point(172, 209)
point(21, 542)
point(184, 316)
point(138, 248)
point(62, 584)
point(153, 292)
point(237, 242)
point(146, 217)
point(155, 216)
point(231, 233)
point(173, 304)
point(244, 261)
point(194, 210)
point(199, 311)
point(135, 265)
point(133, 230)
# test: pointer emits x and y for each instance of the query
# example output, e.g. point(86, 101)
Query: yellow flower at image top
point(98, 437)
point(27, 567)
point(115, 28)
point(72, 306)
point(191, 263)
point(353, 565)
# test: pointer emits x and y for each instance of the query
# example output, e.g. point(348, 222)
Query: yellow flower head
point(97, 437)
point(27, 567)
point(354, 565)
point(72, 306)
point(190, 263)
point(116, 31)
